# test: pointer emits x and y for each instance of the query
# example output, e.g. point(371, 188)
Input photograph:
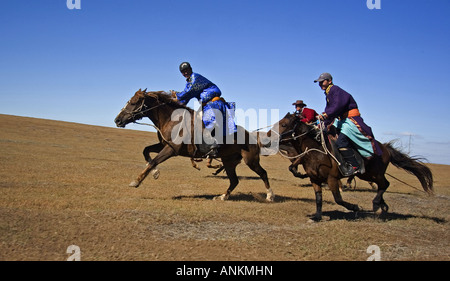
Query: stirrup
point(356, 170)
point(347, 170)
point(213, 153)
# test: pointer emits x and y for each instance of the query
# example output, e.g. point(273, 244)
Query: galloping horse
point(322, 168)
point(158, 107)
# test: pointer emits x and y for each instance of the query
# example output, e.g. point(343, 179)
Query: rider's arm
point(188, 93)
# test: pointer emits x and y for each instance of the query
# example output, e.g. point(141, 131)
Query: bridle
point(307, 150)
point(139, 112)
point(292, 132)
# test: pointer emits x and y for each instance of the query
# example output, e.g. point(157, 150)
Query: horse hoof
point(380, 208)
point(315, 218)
point(270, 198)
point(155, 174)
point(134, 184)
point(222, 197)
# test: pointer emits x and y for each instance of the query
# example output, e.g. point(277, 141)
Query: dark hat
point(184, 66)
point(324, 76)
point(299, 102)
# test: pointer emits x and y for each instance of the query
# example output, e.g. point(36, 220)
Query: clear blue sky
point(83, 65)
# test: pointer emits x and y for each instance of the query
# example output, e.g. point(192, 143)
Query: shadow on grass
point(355, 216)
point(249, 197)
point(328, 215)
point(240, 178)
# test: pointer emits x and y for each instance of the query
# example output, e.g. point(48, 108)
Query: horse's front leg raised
point(156, 148)
point(162, 156)
point(293, 168)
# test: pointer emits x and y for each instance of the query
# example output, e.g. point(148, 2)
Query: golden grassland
point(65, 184)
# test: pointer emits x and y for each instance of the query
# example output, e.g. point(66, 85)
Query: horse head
point(143, 103)
point(290, 127)
point(287, 126)
point(133, 109)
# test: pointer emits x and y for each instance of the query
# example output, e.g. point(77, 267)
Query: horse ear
point(145, 90)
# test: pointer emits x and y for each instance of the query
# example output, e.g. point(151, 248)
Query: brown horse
point(322, 168)
point(158, 107)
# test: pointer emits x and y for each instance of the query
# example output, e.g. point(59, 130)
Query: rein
point(307, 150)
point(138, 111)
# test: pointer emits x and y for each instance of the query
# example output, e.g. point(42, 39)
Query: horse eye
point(283, 125)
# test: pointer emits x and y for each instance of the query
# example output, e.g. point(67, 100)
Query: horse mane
point(312, 133)
point(165, 98)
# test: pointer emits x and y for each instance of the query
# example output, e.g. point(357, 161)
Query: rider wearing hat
point(342, 110)
point(306, 115)
point(209, 95)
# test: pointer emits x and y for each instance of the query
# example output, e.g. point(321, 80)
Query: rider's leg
point(344, 145)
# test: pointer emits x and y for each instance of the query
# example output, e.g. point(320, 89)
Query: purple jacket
point(338, 103)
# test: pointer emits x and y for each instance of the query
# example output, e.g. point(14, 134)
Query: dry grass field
point(65, 184)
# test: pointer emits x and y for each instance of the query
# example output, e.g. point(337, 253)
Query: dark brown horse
point(322, 168)
point(158, 107)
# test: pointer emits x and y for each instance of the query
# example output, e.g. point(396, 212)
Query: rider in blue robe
point(209, 95)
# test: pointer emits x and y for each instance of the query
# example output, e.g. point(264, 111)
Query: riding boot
point(350, 159)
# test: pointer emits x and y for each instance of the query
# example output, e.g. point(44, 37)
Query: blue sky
point(83, 65)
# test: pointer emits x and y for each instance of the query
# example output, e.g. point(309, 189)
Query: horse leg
point(378, 201)
point(294, 170)
point(219, 167)
point(333, 184)
point(162, 156)
point(252, 161)
point(318, 191)
point(219, 170)
point(210, 165)
point(152, 148)
point(230, 169)
point(194, 164)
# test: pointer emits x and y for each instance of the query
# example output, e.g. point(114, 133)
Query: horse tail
point(411, 165)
